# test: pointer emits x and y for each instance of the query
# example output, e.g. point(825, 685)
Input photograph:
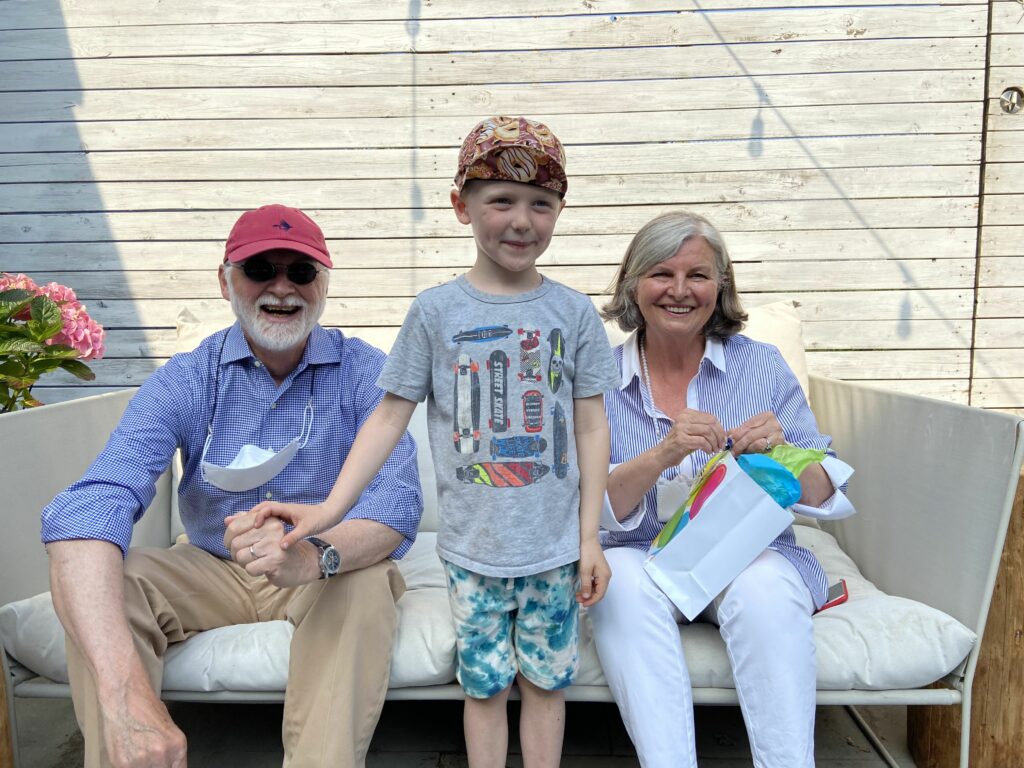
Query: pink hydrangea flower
point(80, 332)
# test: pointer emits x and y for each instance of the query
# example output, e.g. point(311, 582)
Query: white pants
point(765, 619)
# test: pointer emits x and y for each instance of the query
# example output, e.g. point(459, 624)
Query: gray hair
point(658, 240)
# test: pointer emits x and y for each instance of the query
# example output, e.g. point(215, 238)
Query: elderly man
point(266, 409)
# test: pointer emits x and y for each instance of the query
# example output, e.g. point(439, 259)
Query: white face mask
point(672, 494)
point(254, 466)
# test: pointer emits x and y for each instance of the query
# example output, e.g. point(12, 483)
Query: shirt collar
point(319, 349)
point(714, 353)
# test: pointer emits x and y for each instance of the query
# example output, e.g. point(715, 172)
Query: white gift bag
point(727, 521)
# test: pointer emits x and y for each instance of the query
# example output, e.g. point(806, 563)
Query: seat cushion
point(873, 641)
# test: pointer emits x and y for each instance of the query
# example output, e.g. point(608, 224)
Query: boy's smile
point(512, 225)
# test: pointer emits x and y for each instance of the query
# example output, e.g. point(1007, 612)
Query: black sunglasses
point(262, 271)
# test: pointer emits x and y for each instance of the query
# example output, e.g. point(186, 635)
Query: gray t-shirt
point(501, 373)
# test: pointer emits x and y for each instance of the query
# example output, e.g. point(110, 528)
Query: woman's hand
point(758, 434)
point(692, 431)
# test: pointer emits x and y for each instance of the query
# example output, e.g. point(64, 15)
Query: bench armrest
point(934, 486)
point(45, 450)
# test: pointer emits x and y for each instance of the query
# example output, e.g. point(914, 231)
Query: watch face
point(330, 561)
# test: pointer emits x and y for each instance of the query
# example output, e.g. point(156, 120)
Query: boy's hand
point(308, 519)
point(594, 573)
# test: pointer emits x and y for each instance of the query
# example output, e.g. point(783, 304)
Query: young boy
point(514, 366)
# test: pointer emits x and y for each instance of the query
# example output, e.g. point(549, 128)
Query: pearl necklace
point(659, 429)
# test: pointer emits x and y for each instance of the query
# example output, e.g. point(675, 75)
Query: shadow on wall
point(755, 148)
point(52, 221)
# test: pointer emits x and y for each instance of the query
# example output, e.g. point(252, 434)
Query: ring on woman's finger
point(767, 445)
point(252, 552)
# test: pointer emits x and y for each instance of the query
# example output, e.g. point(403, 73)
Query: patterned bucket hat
point(513, 149)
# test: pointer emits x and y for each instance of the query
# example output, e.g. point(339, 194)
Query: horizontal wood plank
point(390, 283)
point(631, 189)
point(28, 14)
point(1001, 301)
point(999, 363)
point(997, 393)
point(484, 34)
point(397, 106)
point(439, 163)
point(855, 365)
point(892, 364)
point(1002, 241)
point(1007, 50)
point(1002, 271)
point(752, 126)
point(1005, 178)
point(1006, 17)
point(999, 79)
point(999, 333)
point(434, 69)
point(370, 311)
point(1003, 209)
point(1004, 146)
point(733, 217)
point(566, 250)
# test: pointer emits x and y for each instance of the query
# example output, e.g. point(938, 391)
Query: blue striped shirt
point(736, 379)
point(173, 409)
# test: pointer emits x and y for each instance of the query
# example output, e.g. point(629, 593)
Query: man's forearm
point(87, 583)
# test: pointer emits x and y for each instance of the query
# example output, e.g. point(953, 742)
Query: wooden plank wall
point(998, 380)
point(839, 148)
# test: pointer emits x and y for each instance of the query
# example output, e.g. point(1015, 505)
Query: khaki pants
point(340, 652)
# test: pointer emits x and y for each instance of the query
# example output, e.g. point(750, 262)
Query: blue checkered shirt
point(173, 409)
point(737, 378)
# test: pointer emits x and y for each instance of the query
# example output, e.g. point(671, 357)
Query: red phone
point(837, 594)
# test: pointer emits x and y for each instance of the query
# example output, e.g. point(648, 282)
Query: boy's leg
point(547, 649)
point(541, 725)
point(485, 722)
point(482, 609)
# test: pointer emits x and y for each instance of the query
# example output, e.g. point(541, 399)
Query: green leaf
point(13, 329)
point(79, 369)
point(20, 346)
point(14, 301)
point(44, 365)
point(45, 321)
point(60, 352)
point(17, 383)
point(12, 368)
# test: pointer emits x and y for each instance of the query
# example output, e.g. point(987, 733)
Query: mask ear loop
point(206, 447)
point(307, 414)
point(213, 414)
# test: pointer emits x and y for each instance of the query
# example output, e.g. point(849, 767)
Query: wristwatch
point(330, 558)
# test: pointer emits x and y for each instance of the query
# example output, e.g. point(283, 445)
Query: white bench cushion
point(873, 641)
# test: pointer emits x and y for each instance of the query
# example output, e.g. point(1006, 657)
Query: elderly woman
point(690, 380)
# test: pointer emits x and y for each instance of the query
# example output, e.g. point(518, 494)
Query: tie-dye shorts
point(526, 623)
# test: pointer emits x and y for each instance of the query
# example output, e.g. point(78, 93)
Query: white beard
point(276, 337)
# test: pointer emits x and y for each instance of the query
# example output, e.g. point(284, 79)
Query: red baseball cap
point(276, 226)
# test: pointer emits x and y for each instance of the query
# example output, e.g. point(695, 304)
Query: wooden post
point(6, 737)
point(997, 711)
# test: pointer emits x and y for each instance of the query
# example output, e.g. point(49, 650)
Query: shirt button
point(258, 364)
point(269, 495)
point(273, 406)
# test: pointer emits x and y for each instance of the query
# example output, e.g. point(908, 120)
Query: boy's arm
point(376, 440)
point(590, 426)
